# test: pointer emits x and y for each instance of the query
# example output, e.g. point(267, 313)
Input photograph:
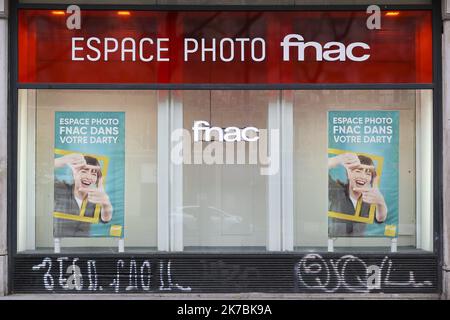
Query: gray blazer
point(339, 201)
point(64, 201)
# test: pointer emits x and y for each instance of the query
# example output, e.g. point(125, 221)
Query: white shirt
point(354, 201)
point(79, 201)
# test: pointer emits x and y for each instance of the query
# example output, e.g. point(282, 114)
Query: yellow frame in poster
point(357, 216)
point(81, 217)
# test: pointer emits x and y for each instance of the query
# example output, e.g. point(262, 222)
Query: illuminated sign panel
point(225, 47)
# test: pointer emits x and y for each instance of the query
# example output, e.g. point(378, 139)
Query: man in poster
point(85, 193)
point(359, 192)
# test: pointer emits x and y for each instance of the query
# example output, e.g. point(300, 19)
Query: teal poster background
point(99, 134)
point(372, 133)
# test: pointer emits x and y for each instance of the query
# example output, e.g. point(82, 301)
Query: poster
point(363, 173)
point(89, 174)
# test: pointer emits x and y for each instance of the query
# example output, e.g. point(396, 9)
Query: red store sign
point(226, 47)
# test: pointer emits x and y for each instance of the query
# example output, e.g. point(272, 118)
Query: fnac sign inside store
point(226, 47)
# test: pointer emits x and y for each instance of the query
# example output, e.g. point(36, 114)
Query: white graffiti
point(92, 275)
point(168, 285)
point(330, 275)
point(313, 272)
point(62, 281)
point(116, 281)
point(69, 276)
point(411, 283)
point(146, 285)
point(49, 283)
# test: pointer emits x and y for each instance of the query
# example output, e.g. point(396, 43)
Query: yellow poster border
point(357, 216)
point(81, 217)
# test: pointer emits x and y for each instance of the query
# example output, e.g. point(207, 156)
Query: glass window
point(225, 170)
point(395, 128)
point(129, 181)
point(225, 196)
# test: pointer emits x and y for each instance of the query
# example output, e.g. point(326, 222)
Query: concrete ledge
point(218, 296)
point(3, 275)
point(445, 9)
point(446, 285)
point(3, 9)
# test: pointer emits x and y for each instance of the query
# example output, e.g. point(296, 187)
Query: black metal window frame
point(436, 87)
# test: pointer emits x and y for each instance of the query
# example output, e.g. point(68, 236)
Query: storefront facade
point(280, 148)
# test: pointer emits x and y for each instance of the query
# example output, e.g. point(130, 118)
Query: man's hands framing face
point(362, 182)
